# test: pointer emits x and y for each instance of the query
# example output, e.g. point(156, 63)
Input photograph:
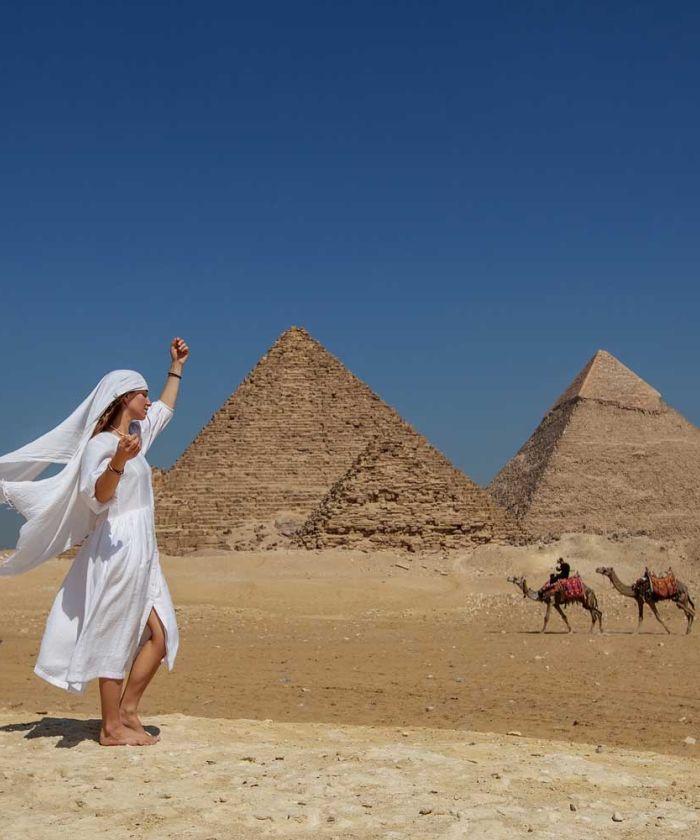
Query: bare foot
point(132, 721)
point(122, 736)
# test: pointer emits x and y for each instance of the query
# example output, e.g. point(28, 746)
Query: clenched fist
point(129, 447)
point(179, 351)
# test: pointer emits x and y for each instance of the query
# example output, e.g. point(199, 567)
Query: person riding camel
point(563, 569)
point(561, 572)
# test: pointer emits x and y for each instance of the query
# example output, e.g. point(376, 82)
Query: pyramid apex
point(294, 336)
point(603, 356)
point(292, 331)
point(605, 379)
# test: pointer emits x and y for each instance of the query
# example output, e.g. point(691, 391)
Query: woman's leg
point(142, 672)
point(113, 733)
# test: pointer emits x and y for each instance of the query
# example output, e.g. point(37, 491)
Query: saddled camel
point(643, 594)
point(556, 597)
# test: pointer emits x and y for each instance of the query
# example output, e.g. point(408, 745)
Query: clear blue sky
point(462, 201)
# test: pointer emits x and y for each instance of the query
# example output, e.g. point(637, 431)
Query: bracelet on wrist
point(170, 373)
point(114, 469)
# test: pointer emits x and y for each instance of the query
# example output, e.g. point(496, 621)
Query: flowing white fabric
point(58, 517)
point(99, 617)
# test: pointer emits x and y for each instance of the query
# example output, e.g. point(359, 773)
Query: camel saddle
point(571, 588)
point(663, 587)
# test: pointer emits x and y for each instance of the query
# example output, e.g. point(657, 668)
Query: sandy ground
point(352, 641)
point(213, 778)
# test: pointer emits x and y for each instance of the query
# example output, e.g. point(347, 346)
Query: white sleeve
point(158, 417)
point(98, 453)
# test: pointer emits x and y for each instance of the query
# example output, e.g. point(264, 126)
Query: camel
point(557, 598)
point(641, 594)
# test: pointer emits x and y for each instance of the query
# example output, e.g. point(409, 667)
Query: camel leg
point(640, 604)
point(563, 615)
point(592, 609)
point(546, 616)
point(689, 613)
point(652, 607)
point(596, 615)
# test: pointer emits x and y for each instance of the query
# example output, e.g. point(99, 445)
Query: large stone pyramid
point(609, 457)
point(291, 429)
point(402, 493)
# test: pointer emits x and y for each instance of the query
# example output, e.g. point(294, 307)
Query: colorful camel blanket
point(664, 587)
point(571, 588)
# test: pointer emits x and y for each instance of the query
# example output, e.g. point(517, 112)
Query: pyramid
point(271, 452)
point(401, 493)
point(609, 457)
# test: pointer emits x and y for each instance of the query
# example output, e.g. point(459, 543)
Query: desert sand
point(215, 778)
point(369, 691)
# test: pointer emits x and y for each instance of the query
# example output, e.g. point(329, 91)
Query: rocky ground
point(214, 778)
point(345, 652)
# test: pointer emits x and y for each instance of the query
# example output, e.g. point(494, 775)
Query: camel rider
point(561, 572)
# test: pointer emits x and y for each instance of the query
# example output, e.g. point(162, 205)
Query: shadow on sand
point(69, 731)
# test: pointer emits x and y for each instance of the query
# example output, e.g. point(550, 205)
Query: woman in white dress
point(113, 617)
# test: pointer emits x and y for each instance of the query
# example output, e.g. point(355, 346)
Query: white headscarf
point(57, 515)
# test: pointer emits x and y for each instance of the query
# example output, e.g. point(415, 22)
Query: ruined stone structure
point(609, 457)
point(291, 429)
point(401, 493)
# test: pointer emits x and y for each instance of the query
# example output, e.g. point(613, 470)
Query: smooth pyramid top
point(605, 379)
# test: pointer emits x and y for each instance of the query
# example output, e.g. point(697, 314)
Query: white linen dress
point(98, 621)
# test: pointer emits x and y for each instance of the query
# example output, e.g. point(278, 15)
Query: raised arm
point(179, 353)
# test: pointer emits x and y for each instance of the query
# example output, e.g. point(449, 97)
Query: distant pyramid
point(609, 457)
point(292, 428)
point(401, 493)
